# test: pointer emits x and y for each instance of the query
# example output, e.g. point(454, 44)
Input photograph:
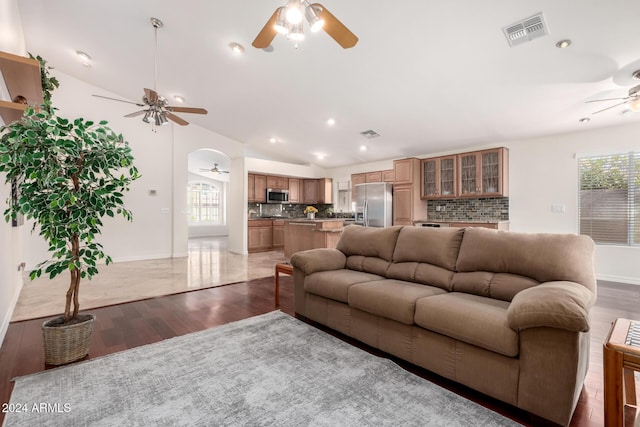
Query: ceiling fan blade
point(336, 29)
point(177, 119)
point(137, 113)
point(205, 170)
point(608, 99)
point(267, 34)
point(187, 110)
point(608, 108)
point(120, 100)
point(152, 95)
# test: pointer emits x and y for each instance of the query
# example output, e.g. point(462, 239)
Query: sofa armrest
point(321, 259)
point(561, 304)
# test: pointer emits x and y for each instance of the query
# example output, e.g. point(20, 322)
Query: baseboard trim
point(12, 305)
point(619, 279)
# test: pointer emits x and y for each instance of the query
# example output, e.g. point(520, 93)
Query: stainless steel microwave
point(275, 195)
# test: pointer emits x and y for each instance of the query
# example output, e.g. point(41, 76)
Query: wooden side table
point(284, 268)
point(621, 354)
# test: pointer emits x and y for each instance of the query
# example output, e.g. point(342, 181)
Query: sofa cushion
point(368, 264)
point(392, 299)
point(437, 246)
point(502, 286)
point(368, 241)
point(335, 284)
point(543, 257)
point(473, 319)
point(419, 272)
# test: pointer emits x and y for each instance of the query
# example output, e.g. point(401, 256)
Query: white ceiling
point(428, 76)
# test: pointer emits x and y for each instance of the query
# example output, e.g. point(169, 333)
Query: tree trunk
point(74, 286)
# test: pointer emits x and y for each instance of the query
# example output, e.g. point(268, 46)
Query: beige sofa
point(504, 313)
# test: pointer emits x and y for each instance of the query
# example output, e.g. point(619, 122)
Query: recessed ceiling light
point(584, 120)
point(179, 98)
point(273, 140)
point(563, 44)
point(236, 48)
point(320, 156)
point(85, 58)
point(363, 148)
point(331, 122)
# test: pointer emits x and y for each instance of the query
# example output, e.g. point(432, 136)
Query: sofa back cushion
point(437, 246)
point(542, 257)
point(369, 241)
point(502, 286)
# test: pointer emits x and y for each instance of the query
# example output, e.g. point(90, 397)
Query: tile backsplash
point(480, 209)
point(256, 210)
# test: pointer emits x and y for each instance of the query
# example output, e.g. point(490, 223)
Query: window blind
point(609, 198)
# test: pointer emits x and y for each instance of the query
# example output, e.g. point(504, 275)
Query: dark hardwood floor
point(125, 326)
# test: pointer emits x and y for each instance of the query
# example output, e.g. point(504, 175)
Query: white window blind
point(204, 203)
point(609, 198)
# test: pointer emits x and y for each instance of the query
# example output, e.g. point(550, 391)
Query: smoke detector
point(525, 30)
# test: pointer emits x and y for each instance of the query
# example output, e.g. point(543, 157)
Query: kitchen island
point(303, 234)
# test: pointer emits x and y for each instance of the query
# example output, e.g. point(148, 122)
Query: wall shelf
point(22, 77)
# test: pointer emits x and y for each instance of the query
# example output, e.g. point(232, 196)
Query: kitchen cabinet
point(404, 171)
point(278, 182)
point(357, 178)
point(317, 191)
point(257, 188)
point(388, 175)
point(260, 235)
point(21, 77)
point(408, 205)
point(373, 176)
point(278, 234)
point(294, 190)
point(325, 190)
point(310, 191)
point(439, 178)
point(483, 173)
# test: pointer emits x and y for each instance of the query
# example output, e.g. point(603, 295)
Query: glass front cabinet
point(483, 173)
point(439, 177)
point(474, 174)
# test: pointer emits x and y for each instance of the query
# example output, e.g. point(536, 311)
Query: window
point(609, 198)
point(204, 203)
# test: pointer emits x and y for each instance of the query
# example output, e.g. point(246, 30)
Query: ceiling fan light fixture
point(162, 119)
point(635, 105)
point(294, 12)
point(281, 25)
point(147, 116)
point(297, 32)
point(313, 17)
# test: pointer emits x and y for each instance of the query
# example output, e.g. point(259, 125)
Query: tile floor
point(209, 264)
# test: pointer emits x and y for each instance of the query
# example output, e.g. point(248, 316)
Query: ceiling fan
point(214, 170)
point(158, 110)
point(288, 19)
point(633, 99)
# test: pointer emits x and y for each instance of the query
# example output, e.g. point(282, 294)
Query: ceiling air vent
point(370, 134)
point(526, 30)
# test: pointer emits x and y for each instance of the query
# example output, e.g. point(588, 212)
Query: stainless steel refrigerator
point(374, 204)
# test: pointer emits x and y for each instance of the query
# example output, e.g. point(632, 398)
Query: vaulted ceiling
point(426, 76)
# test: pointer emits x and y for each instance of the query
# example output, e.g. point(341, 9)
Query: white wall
point(12, 41)
point(544, 171)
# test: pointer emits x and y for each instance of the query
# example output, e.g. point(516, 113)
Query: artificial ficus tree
point(69, 175)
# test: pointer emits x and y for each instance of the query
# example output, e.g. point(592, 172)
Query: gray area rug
point(269, 370)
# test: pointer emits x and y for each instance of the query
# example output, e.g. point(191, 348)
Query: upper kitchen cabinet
point(357, 178)
point(484, 173)
point(439, 177)
point(294, 190)
point(22, 78)
point(317, 191)
point(388, 175)
point(404, 170)
point(375, 176)
point(278, 182)
point(257, 188)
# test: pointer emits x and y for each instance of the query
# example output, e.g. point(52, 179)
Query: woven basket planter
point(67, 343)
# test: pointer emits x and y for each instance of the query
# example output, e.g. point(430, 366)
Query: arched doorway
point(207, 193)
